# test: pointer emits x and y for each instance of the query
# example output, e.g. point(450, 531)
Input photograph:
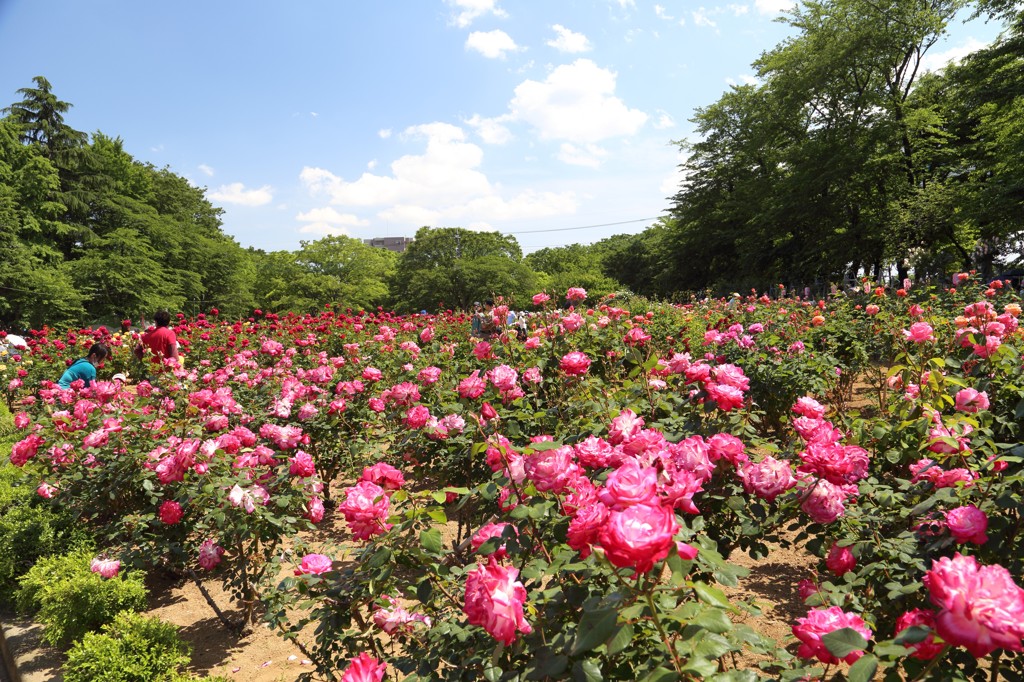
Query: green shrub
point(30, 528)
point(130, 649)
point(70, 600)
point(6, 423)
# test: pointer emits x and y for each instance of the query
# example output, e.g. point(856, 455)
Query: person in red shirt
point(159, 341)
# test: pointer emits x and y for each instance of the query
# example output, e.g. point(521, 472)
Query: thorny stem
point(923, 675)
point(664, 637)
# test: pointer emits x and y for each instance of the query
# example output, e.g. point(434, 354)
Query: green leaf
point(864, 669)
point(621, 639)
point(587, 670)
point(660, 674)
point(711, 595)
point(844, 641)
point(430, 540)
point(713, 620)
point(594, 629)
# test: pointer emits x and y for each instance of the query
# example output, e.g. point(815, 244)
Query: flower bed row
point(601, 473)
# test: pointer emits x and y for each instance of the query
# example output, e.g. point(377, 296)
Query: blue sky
point(372, 119)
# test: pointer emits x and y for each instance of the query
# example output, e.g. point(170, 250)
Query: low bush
point(30, 528)
point(70, 600)
point(133, 648)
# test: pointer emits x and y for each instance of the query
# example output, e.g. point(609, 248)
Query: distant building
point(396, 244)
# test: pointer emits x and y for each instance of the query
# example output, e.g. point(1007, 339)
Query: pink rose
point(809, 407)
point(416, 417)
point(826, 502)
point(919, 332)
point(541, 298)
point(585, 526)
point(364, 668)
point(314, 510)
point(982, 609)
point(46, 491)
point(472, 387)
point(728, 447)
point(429, 375)
point(494, 600)
point(503, 377)
point(314, 564)
point(171, 512)
point(967, 524)
point(638, 536)
point(624, 427)
point(384, 475)
point(209, 554)
point(576, 294)
point(836, 463)
point(928, 648)
point(492, 530)
point(366, 508)
point(552, 470)
point(574, 363)
point(820, 622)
point(630, 484)
point(768, 478)
point(594, 452)
point(301, 464)
point(840, 560)
point(727, 398)
point(107, 568)
point(970, 400)
point(806, 589)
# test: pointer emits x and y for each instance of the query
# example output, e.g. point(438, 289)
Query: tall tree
point(453, 266)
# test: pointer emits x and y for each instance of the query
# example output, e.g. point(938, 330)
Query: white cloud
point(384, 133)
point(701, 18)
point(739, 10)
point(626, 4)
point(934, 61)
point(329, 215)
point(324, 229)
point(661, 13)
point(491, 44)
point(575, 103)
point(490, 130)
point(569, 41)
point(773, 6)
point(589, 155)
point(328, 221)
point(236, 193)
point(205, 169)
point(665, 121)
point(470, 10)
point(371, 164)
point(745, 79)
point(443, 185)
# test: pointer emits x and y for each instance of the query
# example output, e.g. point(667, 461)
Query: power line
point(582, 227)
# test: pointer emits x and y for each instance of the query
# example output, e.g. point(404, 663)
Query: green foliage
point(30, 528)
point(130, 649)
point(70, 600)
point(451, 267)
point(847, 158)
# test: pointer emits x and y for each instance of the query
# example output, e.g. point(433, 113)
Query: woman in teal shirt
point(84, 368)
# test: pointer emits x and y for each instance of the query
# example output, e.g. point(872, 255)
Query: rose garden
point(560, 507)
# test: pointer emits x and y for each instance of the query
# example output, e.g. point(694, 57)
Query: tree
point(453, 266)
point(358, 272)
point(40, 116)
point(576, 265)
